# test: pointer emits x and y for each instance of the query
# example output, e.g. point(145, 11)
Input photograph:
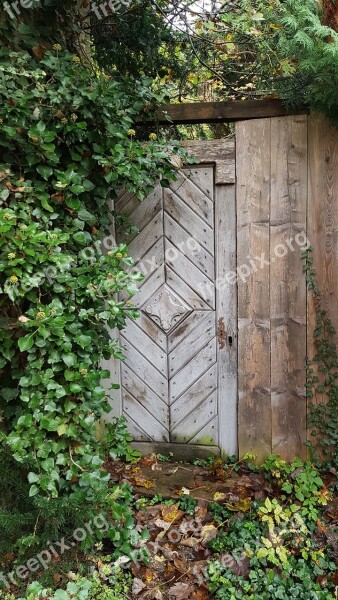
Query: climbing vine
point(322, 377)
point(67, 144)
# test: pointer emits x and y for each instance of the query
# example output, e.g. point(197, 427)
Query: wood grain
point(287, 285)
point(221, 112)
point(253, 231)
point(322, 220)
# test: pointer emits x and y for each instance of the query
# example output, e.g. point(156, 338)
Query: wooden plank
point(198, 256)
point(196, 421)
point(191, 275)
point(194, 197)
point(185, 328)
point(219, 152)
point(322, 220)
point(145, 370)
point(191, 372)
point(203, 178)
point(141, 215)
point(287, 285)
point(200, 390)
point(226, 307)
point(140, 415)
point(138, 388)
point(222, 112)
point(150, 350)
point(147, 238)
point(191, 344)
point(253, 198)
point(187, 293)
point(208, 435)
point(188, 219)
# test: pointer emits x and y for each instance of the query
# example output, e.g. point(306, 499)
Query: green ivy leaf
point(26, 343)
point(45, 171)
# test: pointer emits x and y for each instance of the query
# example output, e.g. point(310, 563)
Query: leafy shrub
point(67, 145)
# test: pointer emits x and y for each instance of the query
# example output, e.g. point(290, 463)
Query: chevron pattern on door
point(178, 384)
point(169, 377)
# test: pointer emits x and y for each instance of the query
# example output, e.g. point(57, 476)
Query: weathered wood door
point(178, 382)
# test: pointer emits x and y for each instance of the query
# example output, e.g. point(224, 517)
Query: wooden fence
point(287, 184)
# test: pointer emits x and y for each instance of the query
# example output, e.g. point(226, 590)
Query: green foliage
point(263, 584)
point(106, 583)
point(322, 378)
point(272, 551)
point(67, 144)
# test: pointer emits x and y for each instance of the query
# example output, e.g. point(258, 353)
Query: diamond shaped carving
point(166, 308)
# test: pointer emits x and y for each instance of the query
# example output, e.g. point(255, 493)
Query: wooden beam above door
point(222, 112)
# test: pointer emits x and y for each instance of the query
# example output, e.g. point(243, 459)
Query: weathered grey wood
point(195, 301)
point(202, 259)
point(145, 370)
point(204, 359)
point(198, 392)
point(190, 275)
point(187, 190)
point(208, 434)
point(287, 285)
point(219, 152)
point(186, 328)
point(226, 302)
point(190, 345)
point(138, 388)
point(190, 427)
point(143, 418)
point(150, 350)
point(183, 214)
point(253, 141)
point(177, 328)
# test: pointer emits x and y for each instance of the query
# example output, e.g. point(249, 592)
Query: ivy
point(322, 378)
point(67, 145)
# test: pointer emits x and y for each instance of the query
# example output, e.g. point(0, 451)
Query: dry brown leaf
point(201, 510)
point(181, 565)
point(180, 591)
point(190, 542)
point(208, 533)
point(240, 505)
point(140, 482)
point(171, 513)
point(220, 497)
point(39, 52)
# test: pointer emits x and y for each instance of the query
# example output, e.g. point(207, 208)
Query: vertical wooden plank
point(226, 303)
point(323, 219)
point(253, 201)
point(287, 285)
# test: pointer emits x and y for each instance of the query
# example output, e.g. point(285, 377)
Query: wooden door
point(179, 379)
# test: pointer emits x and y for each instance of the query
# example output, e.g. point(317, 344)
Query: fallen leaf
point(208, 533)
point(180, 591)
point(171, 513)
point(138, 586)
point(240, 505)
point(122, 560)
point(220, 497)
point(146, 483)
point(190, 542)
point(181, 565)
